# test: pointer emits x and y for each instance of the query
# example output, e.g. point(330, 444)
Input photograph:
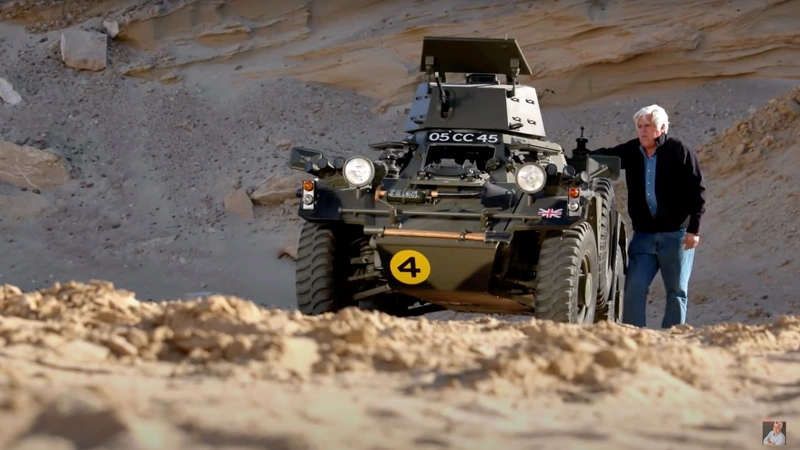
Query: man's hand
point(690, 241)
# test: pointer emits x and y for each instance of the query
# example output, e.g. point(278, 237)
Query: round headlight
point(531, 178)
point(358, 171)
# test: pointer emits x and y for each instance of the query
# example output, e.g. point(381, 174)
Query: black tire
point(620, 270)
point(617, 293)
point(605, 192)
point(318, 284)
point(567, 274)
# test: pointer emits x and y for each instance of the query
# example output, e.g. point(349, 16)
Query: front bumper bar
point(484, 216)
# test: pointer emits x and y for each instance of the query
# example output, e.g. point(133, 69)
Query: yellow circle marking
point(410, 267)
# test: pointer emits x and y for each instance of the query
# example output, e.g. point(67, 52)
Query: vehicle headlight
point(358, 171)
point(531, 178)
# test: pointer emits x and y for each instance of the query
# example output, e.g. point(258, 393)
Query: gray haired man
point(775, 437)
point(666, 202)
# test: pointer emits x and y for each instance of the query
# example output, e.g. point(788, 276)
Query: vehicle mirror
point(607, 166)
point(300, 156)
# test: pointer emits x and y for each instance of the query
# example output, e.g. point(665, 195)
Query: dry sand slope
point(147, 182)
point(87, 366)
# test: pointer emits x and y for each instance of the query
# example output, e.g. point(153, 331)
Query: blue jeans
point(650, 252)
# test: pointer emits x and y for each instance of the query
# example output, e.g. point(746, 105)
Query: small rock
point(112, 28)
point(7, 92)
point(238, 203)
point(284, 144)
point(27, 167)
point(84, 50)
point(288, 250)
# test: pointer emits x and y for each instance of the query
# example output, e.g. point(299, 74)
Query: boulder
point(277, 189)
point(84, 50)
point(238, 203)
point(28, 167)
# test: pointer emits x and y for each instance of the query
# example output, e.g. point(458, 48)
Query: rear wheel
point(619, 292)
point(567, 276)
point(616, 299)
point(605, 192)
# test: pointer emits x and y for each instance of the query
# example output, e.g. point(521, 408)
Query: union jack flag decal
point(550, 213)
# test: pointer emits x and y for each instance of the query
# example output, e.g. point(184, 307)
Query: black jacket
point(680, 186)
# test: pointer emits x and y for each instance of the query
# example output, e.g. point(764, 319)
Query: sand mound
point(769, 133)
point(529, 355)
point(50, 338)
point(751, 213)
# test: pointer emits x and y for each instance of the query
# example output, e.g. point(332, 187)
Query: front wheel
point(318, 281)
point(567, 276)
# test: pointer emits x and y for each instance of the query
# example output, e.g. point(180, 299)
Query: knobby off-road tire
point(562, 289)
point(617, 292)
point(619, 278)
point(604, 190)
point(318, 282)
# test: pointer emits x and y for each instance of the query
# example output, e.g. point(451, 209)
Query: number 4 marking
point(409, 266)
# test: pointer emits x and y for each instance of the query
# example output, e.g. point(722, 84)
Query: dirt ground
point(137, 171)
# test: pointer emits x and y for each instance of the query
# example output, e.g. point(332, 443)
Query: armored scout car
point(474, 211)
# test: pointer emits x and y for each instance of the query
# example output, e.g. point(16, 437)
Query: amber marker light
point(574, 192)
point(308, 185)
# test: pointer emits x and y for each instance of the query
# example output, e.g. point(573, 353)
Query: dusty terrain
point(139, 169)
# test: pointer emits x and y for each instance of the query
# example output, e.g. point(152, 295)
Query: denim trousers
point(650, 252)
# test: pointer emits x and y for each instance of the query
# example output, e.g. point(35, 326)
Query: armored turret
point(482, 101)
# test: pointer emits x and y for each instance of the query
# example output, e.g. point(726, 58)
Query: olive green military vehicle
point(474, 211)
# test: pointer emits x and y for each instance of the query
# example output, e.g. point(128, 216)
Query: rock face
point(25, 166)
point(84, 50)
point(7, 92)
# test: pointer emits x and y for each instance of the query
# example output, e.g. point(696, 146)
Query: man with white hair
point(666, 200)
point(775, 437)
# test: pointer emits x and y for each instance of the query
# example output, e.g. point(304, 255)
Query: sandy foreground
point(141, 172)
point(88, 366)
